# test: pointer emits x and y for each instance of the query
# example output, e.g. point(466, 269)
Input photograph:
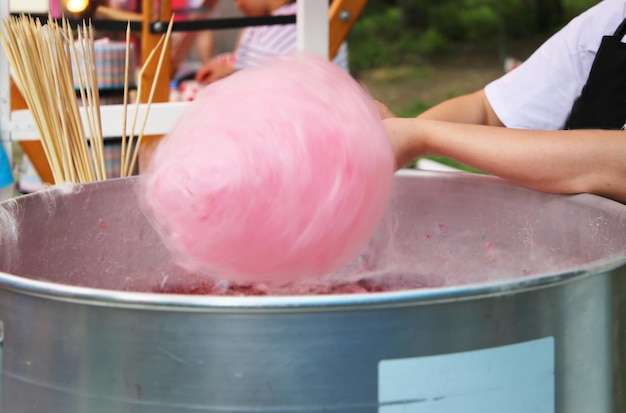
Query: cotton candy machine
point(521, 309)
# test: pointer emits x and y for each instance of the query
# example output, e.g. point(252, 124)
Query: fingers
point(212, 72)
point(203, 74)
point(200, 76)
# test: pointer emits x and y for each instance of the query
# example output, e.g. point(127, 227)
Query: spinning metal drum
point(523, 310)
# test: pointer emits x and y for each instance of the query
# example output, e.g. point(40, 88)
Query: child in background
point(257, 44)
point(183, 43)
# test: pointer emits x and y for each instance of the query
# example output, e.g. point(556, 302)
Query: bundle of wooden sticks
point(41, 65)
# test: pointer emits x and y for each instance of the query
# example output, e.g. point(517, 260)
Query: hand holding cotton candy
point(273, 174)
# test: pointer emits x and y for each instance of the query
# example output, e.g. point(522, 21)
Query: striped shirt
point(258, 43)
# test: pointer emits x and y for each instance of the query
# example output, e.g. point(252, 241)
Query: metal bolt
point(345, 16)
point(157, 27)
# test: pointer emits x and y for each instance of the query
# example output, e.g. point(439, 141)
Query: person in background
point(554, 124)
point(257, 44)
point(184, 42)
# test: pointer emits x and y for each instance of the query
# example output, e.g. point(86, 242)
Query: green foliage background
point(393, 32)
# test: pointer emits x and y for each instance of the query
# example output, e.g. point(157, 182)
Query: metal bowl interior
point(457, 234)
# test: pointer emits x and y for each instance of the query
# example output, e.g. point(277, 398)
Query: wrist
point(423, 135)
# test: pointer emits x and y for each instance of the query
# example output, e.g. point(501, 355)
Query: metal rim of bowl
point(206, 303)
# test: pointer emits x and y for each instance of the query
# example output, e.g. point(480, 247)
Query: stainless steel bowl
point(524, 311)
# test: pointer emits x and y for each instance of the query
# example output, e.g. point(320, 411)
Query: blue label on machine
point(517, 378)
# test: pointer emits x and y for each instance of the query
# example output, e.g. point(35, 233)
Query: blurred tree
point(548, 13)
point(415, 13)
point(418, 14)
point(391, 32)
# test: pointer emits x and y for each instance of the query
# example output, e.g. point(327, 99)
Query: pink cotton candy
point(272, 174)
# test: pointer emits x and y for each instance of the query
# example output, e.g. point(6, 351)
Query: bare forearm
point(473, 108)
point(181, 49)
point(551, 161)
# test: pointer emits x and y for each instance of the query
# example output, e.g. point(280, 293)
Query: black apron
point(602, 102)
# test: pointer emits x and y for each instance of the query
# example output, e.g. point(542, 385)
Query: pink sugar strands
point(274, 174)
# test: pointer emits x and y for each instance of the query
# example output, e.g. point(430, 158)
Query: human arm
point(213, 70)
point(472, 108)
point(218, 67)
point(186, 40)
point(181, 49)
point(551, 161)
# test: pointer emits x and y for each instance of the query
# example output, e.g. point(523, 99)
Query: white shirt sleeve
point(539, 94)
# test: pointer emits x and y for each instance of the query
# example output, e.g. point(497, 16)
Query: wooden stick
point(56, 54)
point(11, 40)
point(83, 63)
point(152, 90)
point(96, 108)
point(40, 58)
point(126, 163)
point(80, 141)
point(126, 78)
point(37, 51)
point(41, 65)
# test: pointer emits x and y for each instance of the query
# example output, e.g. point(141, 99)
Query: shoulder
point(585, 31)
point(540, 93)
